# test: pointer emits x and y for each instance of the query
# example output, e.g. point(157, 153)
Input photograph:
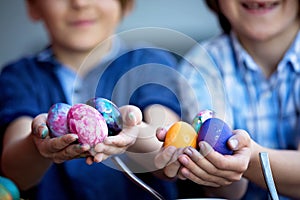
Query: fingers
point(39, 127)
point(173, 166)
point(125, 138)
point(107, 149)
point(113, 145)
point(71, 152)
point(235, 163)
point(198, 169)
point(59, 143)
point(131, 115)
point(61, 148)
point(239, 140)
point(167, 160)
point(161, 134)
point(186, 174)
point(164, 157)
point(210, 166)
point(100, 157)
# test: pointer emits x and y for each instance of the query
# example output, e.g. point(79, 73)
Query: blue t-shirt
point(31, 85)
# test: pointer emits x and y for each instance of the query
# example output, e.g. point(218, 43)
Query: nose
point(79, 3)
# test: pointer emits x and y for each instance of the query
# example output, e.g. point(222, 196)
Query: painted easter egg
point(87, 123)
point(110, 112)
point(216, 132)
point(4, 193)
point(181, 134)
point(57, 119)
point(8, 189)
point(201, 117)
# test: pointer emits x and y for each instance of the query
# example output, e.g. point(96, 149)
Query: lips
point(82, 22)
point(259, 5)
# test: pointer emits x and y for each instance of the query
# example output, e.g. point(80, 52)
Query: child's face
point(261, 20)
point(77, 25)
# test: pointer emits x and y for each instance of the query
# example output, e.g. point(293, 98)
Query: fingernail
point(205, 149)
point(184, 160)
point(233, 142)
point(132, 117)
point(44, 132)
point(171, 149)
point(73, 139)
point(188, 151)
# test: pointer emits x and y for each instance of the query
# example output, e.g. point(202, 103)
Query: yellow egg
point(181, 134)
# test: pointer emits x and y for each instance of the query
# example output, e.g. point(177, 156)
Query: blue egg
point(216, 133)
point(110, 112)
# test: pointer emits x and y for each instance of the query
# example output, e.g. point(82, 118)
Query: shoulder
point(17, 67)
point(217, 51)
point(218, 47)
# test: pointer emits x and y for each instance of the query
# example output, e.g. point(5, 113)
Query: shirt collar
point(293, 54)
point(47, 55)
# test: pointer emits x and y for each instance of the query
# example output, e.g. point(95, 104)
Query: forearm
point(147, 145)
point(21, 161)
point(155, 116)
point(285, 168)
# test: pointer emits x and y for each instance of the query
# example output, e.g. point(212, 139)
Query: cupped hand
point(118, 144)
point(58, 149)
point(210, 168)
point(167, 157)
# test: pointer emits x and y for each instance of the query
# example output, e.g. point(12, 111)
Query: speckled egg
point(57, 119)
point(201, 117)
point(181, 134)
point(87, 123)
point(216, 132)
point(110, 112)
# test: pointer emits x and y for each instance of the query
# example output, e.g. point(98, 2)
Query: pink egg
point(87, 123)
point(57, 119)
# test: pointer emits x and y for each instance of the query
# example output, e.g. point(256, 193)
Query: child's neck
point(268, 53)
point(82, 61)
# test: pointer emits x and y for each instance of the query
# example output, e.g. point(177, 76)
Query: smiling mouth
point(252, 5)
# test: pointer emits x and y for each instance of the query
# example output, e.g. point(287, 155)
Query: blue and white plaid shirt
point(235, 86)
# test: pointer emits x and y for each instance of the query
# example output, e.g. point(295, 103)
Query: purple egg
point(110, 112)
point(87, 123)
point(216, 132)
point(57, 119)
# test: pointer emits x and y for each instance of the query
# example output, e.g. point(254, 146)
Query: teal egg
point(201, 117)
point(8, 189)
point(110, 113)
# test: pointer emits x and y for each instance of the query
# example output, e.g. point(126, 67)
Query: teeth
point(253, 5)
point(257, 5)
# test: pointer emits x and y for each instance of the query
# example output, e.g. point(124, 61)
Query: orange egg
point(181, 134)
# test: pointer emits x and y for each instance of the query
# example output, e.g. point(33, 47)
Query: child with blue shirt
point(257, 60)
point(84, 60)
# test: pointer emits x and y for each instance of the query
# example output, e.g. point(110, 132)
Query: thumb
point(131, 115)
point(239, 140)
point(39, 127)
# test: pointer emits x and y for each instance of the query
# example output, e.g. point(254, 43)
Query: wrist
point(254, 162)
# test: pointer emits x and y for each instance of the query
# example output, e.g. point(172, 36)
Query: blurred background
point(189, 20)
